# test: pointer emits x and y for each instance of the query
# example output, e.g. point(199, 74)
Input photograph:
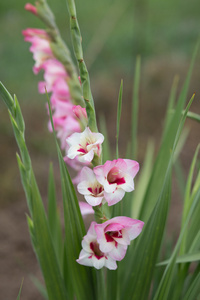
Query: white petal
point(98, 263)
point(84, 259)
point(110, 263)
point(118, 252)
point(113, 198)
point(93, 201)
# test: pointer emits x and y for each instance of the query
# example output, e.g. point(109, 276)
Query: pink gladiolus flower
point(116, 234)
point(54, 73)
point(90, 187)
point(117, 178)
point(80, 113)
point(40, 46)
point(84, 145)
point(31, 8)
point(66, 128)
point(91, 255)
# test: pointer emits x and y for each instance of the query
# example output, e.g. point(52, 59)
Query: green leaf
point(40, 287)
point(106, 151)
point(142, 181)
point(7, 98)
point(54, 218)
point(193, 291)
point(135, 102)
point(119, 110)
point(165, 283)
point(140, 261)
point(45, 249)
point(187, 258)
point(18, 297)
point(188, 198)
point(168, 145)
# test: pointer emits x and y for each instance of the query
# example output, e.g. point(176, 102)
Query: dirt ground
point(17, 260)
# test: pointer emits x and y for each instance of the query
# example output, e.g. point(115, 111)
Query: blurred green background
point(164, 33)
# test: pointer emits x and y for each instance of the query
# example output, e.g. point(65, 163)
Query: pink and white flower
point(90, 187)
point(40, 46)
point(81, 114)
point(55, 77)
point(117, 178)
point(115, 235)
point(85, 145)
point(91, 255)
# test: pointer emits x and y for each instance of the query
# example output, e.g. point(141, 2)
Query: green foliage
point(140, 275)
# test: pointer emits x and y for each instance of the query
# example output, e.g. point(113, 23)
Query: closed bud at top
point(31, 8)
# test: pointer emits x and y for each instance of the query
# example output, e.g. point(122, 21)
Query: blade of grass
point(106, 150)
point(18, 297)
point(40, 287)
point(141, 260)
point(119, 110)
point(164, 287)
point(54, 218)
point(135, 102)
point(142, 183)
point(189, 257)
point(45, 249)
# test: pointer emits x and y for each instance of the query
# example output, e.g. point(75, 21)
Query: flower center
point(94, 246)
point(115, 176)
point(110, 235)
point(96, 191)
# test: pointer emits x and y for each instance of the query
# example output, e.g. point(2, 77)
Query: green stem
point(60, 50)
point(77, 45)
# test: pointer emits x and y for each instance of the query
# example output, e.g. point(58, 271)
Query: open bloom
point(115, 235)
point(117, 178)
point(84, 145)
point(91, 255)
point(90, 187)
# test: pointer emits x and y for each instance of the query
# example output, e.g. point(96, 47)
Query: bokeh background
point(114, 32)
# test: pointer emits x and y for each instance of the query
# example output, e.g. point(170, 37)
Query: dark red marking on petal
point(94, 246)
point(90, 189)
point(82, 150)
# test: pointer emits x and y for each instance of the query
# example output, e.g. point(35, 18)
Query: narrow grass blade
point(119, 110)
point(171, 103)
point(188, 198)
point(135, 102)
point(45, 249)
point(168, 145)
point(167, 148)
point(7, 98)
point(54, 218)
point(165, 284)
point(40, 287)
point(187, 258)
point(141, 260)
point(18, 297)
point(193, 291)
point(143, 180)
point(106, 150)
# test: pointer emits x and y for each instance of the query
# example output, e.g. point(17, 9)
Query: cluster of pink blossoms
point(67, 117)
point(107, 242)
